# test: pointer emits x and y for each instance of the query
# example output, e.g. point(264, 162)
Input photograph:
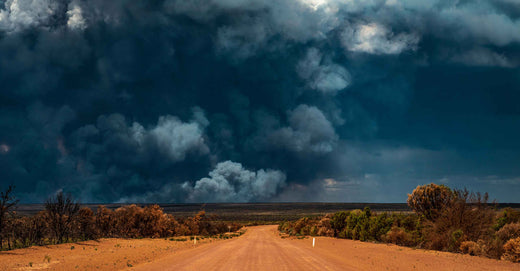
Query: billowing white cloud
point(377, 39)
point(76, 20)
point(21, 14)
point(170, 137)
point(176, 138)
point(275, 22)
point(321, 74)
point(230, 181)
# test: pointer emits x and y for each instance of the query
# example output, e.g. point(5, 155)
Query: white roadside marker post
point(195, 240)
point(313, 241)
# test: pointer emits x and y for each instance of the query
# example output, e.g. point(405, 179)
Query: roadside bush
point(429, 200)
point(338, 222)
point(379, 226)
point(154, 223)
point(105, 222)
point(468, 217)
point(509, 231)
point(512, 250)
point(64, 221)
point(444, 219)
point(357, 225)
point(507, 216)
point(86, 224)
point(471, 248)
point(324, 226)
point(492, 248)
point(27, 231)
point(303, 226)
point(126, 221)
point(398, 236)
point(181, 229)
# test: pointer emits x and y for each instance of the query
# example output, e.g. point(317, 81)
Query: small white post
point(195, 240)
point(313, 241)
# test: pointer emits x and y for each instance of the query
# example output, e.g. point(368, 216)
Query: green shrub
point(507, 216)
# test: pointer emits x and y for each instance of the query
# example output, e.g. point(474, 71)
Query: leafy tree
point(61, 211)
point(429, 200)
point(7, 200)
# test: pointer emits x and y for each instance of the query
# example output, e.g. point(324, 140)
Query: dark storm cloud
point(308, 131)
point(141, 101)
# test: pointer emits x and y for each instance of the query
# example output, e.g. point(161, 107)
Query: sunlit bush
point(509, 231)
point(471, 248)
point(429, 200)
point(512, 250)
point(398, 236)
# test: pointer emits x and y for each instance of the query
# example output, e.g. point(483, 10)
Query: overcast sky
point(258, 100)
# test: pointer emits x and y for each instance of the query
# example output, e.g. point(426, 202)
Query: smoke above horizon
point(253, 100)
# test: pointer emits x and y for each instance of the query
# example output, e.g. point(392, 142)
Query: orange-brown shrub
point(126, 219)
point(64, 221)
point(324, 226)
point(492, 248)
point(133, 221)
point(509, 231)
point(154, 223)
point(398, 236)
point(512, 250)
point(105, 221)
point(86, 224)
point(467, 217)
point(471, 248)
point(303, 226)
point(193, 223)
point(182, 230)
point(429, 200)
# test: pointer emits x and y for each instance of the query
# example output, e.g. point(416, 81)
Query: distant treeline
point(64, 221)
point(443, 219)
point(247, 212)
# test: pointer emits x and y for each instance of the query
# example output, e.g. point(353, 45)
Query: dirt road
point(262, 249)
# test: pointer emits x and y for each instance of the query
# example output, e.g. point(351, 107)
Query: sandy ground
point(260, 248)
point(105, 254)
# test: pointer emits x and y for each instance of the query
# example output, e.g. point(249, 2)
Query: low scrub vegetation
point(443, 219)
point(64, 221)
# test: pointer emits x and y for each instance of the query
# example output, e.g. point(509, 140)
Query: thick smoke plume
point(142, 100)
point(229, 181)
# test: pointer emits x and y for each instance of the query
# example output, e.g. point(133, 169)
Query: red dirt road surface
point(261, 248)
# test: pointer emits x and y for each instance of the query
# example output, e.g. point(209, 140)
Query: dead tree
point(7, 201)
point(61, 210)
